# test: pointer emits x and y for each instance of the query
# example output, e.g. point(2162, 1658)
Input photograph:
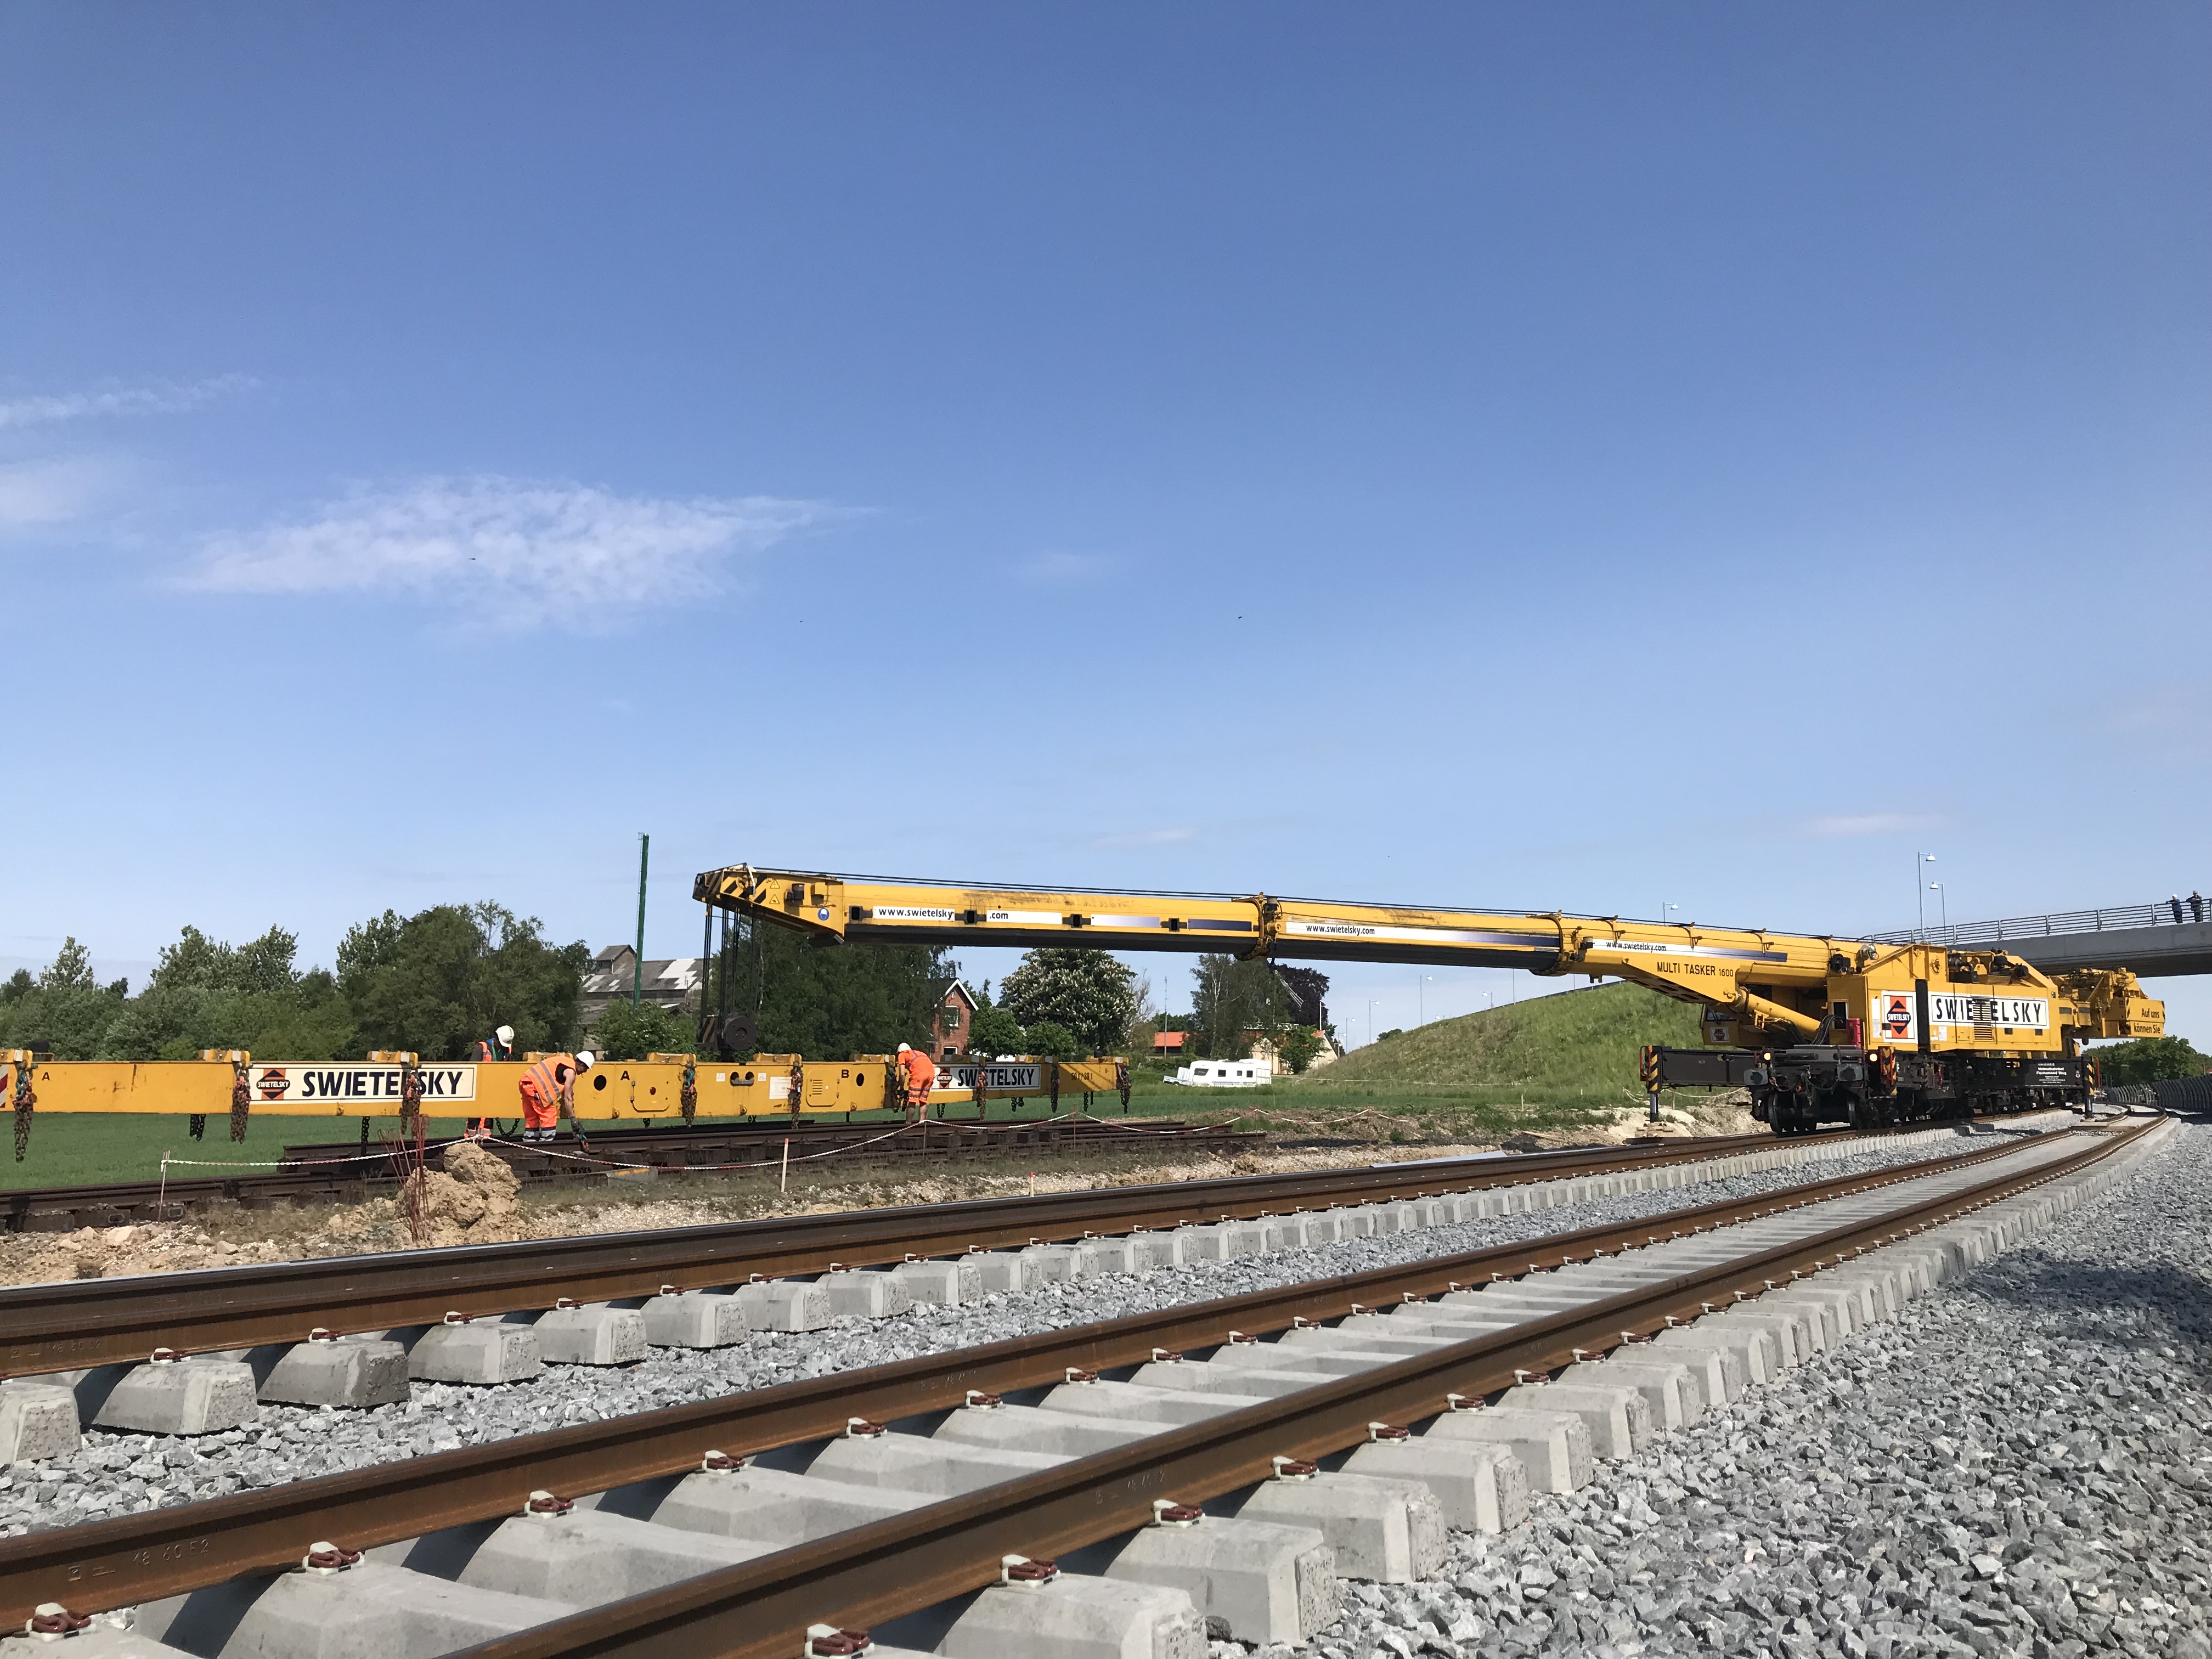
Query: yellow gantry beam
point(1712, 966)
point(1755, 985)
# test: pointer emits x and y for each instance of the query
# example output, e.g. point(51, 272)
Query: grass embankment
point(1552, 1063)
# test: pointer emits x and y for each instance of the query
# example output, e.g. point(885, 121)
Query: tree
point(627, 1032)
point(2149, 1059)
point(64, 1008)
point(1089, 993)
point(827, 1002)
point(1299, 1046)
point(1052, 1041)
point(71, 970)
point(1232, 1002)
point(994, 1032)
point(436, 981)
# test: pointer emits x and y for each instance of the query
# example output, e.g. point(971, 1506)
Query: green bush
point(1052, 1041)
point(2148, 1059)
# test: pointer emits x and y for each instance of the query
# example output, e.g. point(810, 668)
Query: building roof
point(667, 979)
point(944, 989)
point(1170, 1039)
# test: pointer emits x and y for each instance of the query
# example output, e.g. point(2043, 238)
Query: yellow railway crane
point(1830, 1028)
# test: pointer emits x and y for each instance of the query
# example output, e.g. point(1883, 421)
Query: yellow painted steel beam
point(1754, 986)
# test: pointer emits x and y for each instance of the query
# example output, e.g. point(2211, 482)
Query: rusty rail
point(170, 1552)
point(87, 1322)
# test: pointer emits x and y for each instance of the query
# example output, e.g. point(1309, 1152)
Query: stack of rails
point(336, 1173)
point(1604, 1287)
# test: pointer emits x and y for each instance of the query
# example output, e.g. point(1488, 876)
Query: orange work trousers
point(538, 1112)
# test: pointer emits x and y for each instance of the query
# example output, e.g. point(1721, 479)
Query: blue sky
point(1597, 458)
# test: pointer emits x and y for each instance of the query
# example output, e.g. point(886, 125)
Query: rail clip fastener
point(324, 1558)
point(720, 1462)
point(1462, 1402)
point(1023, 1573)
point(547, 1506)
point(828, 1642)
point(1236, 1337)
point(563, 1304)
point(1167, 1356)
point(980, 1400)
point(860, 1428)
point(1077, 1373)
point(1378, 1433)
point(51, 1621)
point(1293, 1468)
point(1166, 1512)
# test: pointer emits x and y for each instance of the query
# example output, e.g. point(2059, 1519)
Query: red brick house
point(1171, 1042)
point(948, 1026)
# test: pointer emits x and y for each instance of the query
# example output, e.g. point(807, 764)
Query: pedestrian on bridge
point(548, 1090)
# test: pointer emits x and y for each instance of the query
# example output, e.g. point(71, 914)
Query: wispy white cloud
point(1145, 838)
point(1066, 569)
point(164, 398)
point(537, 552)
point(1870, 824)
point(34, 494)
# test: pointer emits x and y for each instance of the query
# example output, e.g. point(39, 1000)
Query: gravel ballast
point(119, 1473)
point(2021, 1463)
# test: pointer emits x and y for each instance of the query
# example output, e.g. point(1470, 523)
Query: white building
point(1254, 1074)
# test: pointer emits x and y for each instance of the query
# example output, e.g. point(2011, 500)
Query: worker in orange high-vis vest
point(548, 1089)
point(920, 1077)
point(499, 1046)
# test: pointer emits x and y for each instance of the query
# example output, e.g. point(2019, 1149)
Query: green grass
point(74, 1148)
point(1555, 1062)
point(1578, 1046)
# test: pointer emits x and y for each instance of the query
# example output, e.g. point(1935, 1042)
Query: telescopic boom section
point(1732, 970)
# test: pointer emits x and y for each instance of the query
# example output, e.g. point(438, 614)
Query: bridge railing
point(2021, 929)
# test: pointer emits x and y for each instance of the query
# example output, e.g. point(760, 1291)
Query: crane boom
point(1859, 1020)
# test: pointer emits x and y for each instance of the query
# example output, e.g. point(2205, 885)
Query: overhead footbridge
point(2153, 941)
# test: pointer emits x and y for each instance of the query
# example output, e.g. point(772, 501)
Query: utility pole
point(1922, 893)
point(637, 974)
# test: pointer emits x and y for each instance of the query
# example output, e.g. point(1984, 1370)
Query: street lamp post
point(1943, 899)
point(1921, 893)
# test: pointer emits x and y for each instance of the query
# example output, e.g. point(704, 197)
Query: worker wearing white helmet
point(499, 1046)
point(920, 1078)
point(548, 1093)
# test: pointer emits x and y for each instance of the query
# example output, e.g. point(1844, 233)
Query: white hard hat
point(905, 1047)
point(506, 1035)
point(583, 1060)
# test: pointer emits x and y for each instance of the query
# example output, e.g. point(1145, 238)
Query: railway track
point(1182, 1474)
point(346, 1173)
point(47, 1328)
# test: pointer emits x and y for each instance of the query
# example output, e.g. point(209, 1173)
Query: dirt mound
point(471, 1199)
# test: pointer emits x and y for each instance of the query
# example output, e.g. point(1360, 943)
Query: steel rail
point(169, 1552)
point(761, 1609)
point(85, 1322)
